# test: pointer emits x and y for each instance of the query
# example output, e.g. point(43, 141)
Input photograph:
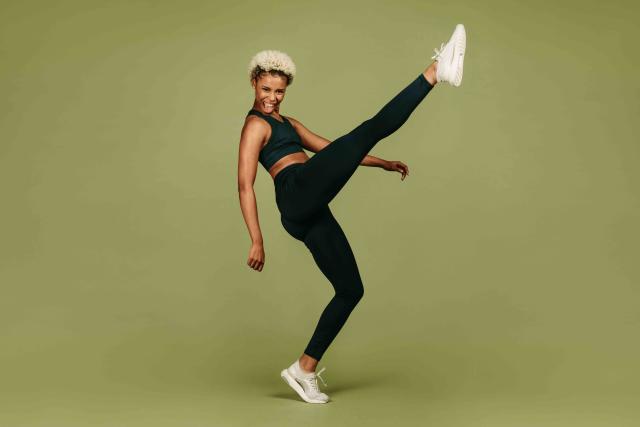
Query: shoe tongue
point(307, 374)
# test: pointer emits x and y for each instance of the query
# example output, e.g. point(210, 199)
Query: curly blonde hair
point(274, 62)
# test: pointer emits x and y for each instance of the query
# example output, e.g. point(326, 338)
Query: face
point(270, 92)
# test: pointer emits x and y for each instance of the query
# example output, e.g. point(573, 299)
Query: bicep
point(251, 139)
point(310, 140)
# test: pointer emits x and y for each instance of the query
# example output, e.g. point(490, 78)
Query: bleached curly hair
point(272, 61)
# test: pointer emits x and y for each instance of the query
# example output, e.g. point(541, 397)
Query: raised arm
point(253, 136)
point(315, 143)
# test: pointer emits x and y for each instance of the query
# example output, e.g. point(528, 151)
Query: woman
point(304, 186)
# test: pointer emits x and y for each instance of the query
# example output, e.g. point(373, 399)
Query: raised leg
point(324, 175)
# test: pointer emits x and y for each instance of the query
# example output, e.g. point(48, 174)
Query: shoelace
point(438, 52)
point(312, 380)
point(318, 375)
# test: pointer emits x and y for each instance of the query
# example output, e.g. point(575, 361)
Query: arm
point(253, 135)
point(315, 143)
point(373, 161)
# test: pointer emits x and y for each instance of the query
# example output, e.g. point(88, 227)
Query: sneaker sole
point(458, 52)
point(297, 387)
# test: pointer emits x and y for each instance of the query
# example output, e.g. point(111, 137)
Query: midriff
point(289, 159)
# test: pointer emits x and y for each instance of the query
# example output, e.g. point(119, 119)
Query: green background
point(501, 277)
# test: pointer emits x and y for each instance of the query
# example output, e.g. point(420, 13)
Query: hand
point(395, 165)
point(256, 256)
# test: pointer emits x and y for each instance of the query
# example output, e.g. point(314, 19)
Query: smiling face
point(269, 91)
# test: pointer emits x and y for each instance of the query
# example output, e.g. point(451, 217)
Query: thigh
point(314, 184)
point(296, 229)
point(296, 216)
point(342, 156)
point(332, 252)
point(322, 177)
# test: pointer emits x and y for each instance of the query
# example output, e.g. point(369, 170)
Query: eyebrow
point(267, 87)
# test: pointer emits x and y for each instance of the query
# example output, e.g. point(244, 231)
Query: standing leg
point(322, 176)
point(333, 255)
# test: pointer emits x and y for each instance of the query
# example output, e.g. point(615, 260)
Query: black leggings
point(304, 190)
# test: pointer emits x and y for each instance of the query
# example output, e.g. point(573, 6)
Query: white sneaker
point(304, 383)
point(450, 57)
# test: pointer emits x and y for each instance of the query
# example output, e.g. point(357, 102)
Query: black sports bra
point(284, 140)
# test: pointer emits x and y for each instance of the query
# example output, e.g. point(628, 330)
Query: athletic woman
point(304, 186)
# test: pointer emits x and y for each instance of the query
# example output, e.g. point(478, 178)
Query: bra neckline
point(284, 121)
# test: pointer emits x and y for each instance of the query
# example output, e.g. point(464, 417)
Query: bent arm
point(253, 134)
point(310, 140)
point(315, 143)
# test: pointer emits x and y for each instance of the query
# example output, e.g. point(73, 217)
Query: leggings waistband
point(281, 176)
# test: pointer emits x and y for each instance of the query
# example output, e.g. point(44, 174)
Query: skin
point(269, 92)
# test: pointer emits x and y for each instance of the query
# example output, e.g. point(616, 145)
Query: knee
point(376, 128)
point(370, 129)
point(354, 294)
point(359, 292)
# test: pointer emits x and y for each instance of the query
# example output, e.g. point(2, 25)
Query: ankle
point(430, 73)
point(306, 370)
point(307, 364)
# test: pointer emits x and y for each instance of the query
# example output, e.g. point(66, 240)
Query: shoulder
point(253, 123)
point(256, 127)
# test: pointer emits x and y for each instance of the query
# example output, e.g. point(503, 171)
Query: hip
point(286, 182)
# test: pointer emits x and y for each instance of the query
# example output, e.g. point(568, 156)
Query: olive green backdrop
point(501, 277)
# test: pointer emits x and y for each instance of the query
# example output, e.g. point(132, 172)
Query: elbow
point(245, 188)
